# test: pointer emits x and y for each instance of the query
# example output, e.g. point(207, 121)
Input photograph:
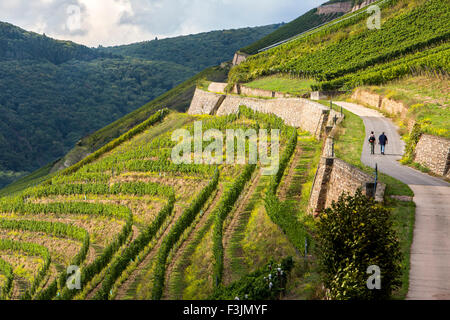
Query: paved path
point(430, 251)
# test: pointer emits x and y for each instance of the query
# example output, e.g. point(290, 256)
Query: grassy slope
point(178, 99)
point(283, 84)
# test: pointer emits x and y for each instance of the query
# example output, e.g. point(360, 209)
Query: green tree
point(354, 234)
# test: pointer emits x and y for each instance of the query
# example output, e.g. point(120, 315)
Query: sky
point(115, 22)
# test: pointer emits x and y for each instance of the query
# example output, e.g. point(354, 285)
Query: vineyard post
point(376, 180)
point(306, 246)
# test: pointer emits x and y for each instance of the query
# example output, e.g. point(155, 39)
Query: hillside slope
point(19, 44)
point(132, 205)
point(311, 19)
point(211, 47)
point(414, 37)
point(177, 98)
point(53, 93)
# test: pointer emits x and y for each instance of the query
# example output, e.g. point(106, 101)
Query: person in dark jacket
point(383, 140)
point(372, 141)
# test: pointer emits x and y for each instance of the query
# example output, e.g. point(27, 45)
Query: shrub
point(256, 285)
point(7, 270)
point(411, 142)
point(354, 234)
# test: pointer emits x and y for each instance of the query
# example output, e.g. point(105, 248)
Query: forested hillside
point(53, 93)
point(18, 44)
point(197, 51)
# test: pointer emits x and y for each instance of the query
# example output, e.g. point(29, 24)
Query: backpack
point(372, 139)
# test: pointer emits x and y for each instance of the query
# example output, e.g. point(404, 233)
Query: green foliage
point(49, 292)
point(434, 119)
point(7, 270)
point(29, 180)
point(284, 161)
point(56, 229)
point(53, 228)
point(411, 143)
point(354, 234)
point(290, 85)
point(18, 44)
point(132, 251)
point(158, 116)
point(31, 249)
point(197, 51)
point(256, 285)
point(303, 23)
point(186, 219)
point(403, 33)
point(17, 205)
point(433, 60)
point(220, 214)
point(88, 272)
point(133, 188)
point(281, 213)
point(53, 93)
point(47, 108)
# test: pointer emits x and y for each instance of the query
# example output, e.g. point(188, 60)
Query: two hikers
point(382, 140)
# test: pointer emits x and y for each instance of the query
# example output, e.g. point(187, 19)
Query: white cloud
point(113, 22)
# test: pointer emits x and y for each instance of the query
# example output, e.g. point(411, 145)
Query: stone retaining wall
point(362, 5)
point(239, 57)
point(205, 102)
point(325, 95)
point(378, 101)
point(296, 112)
point(346, 178)
point(340, 7)
point(246, 91)
point(434, 153)
point(217, 87)
point(335, 177)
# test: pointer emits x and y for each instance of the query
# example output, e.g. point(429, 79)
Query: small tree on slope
point(354, 234)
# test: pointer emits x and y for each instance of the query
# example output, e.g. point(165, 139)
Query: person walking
point(372, 141)
point(383, 140)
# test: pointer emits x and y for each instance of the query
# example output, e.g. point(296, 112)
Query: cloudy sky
point(113, 22)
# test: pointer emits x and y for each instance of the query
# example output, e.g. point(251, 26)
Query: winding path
point(430, 251)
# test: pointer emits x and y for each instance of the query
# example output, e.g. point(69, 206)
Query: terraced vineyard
point(413, 38)
point(136, 224)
